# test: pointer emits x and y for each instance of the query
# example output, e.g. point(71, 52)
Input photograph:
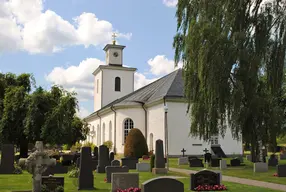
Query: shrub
point(59, 189)
point(73, 173)
point(89, 144)
point(76, 147)
point(135, 145)
point(152, 162)
point(108, 144)
point(65, 147)
point(18, 169)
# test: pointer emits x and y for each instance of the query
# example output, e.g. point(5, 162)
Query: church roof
point(169, 86)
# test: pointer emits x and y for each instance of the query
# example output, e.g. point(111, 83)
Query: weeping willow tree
point(233, 55)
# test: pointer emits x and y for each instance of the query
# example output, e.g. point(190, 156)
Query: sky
point(60, 41)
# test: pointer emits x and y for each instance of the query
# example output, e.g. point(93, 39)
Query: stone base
point(156, 171)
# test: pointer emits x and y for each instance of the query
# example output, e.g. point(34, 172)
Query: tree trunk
point(23, 148)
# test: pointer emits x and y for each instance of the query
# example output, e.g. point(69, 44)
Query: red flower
point(275, 175)
point(105, 180)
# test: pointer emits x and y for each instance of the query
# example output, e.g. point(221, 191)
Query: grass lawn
point(242, 172)
point(24, 182)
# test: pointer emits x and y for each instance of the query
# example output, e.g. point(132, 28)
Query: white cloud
point(140, 80)
point(24, 26)
point(83, 112)
point(170, 3)
point(160, 65)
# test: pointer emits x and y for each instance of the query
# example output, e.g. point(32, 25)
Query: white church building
point(157, 109)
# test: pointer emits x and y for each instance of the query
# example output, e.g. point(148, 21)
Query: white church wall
point(93, 123)
point(138, 117)
point(155, 125)
point(105, 129)
point(108, 90)
point(97, 90)
point(179, 128)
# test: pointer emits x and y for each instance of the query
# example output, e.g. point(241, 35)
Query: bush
point(73, 173)
point(108, 144)
point(76, 147)
point(152, 162)
point(135, 145)
point(65, 147)
point(89, 144)
point(18, 169)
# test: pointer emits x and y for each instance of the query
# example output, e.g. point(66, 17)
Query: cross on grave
point(37, 163)
point(183, 151)
point(205, 150)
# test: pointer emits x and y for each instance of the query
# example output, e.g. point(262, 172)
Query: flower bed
point(210, 188)
point(132, 189)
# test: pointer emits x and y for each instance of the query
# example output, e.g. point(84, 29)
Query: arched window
point(151, 142)
point(110, 131)
point(117, 84)
point(98, 135)
point(103, 132)
point(128, 125)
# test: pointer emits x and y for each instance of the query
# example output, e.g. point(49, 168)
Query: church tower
point(113, 80)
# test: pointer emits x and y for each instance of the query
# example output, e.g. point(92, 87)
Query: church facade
point(157, 109)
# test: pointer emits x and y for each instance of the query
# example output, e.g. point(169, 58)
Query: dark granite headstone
point(207, 157)
point(67, 159)
point(103, 159)
point(85, 178)
point(159, 155)
point(111, 169)
point(196, 163)
point(75, 157)
point(162, 184)
point(115, 163)
point(281, 170)
point(215, 162)
point(52, 182)
point(130, 162)
point(204, 177)
point(272, 161)
point(57, 169)
point(78, 162)
point(234, 162)
point(7, 159)
point(192, 157)
point(95, 152)
point(111, 156)
point(94, 164)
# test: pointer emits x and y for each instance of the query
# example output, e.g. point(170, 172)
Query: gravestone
point(162, 184)
point(204, 177)
point(183, 151)
point(111, 156)
point(272, 161)
point(282, 156)
point(281, 170)
point(7, 159)
point(124, 181)
point(103, 159)
point(37, 163)
point(95, 152)
point(215, 162)
point(183, 160)
point(223, 164)
point(57, 169)
point(129, 162)
point(52, 183)
point(85, 176)
point(115, 163)
point(143, 167)
point(67, 159)
point(196, 163)
point(234, 162)
point(159, 159)
point(207, 158)
point(111, 169)
point(260, 167)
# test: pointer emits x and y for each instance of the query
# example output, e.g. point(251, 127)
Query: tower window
point(117, 84)
point(128, 125)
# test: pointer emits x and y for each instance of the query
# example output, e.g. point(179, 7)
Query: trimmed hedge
point(135, 145)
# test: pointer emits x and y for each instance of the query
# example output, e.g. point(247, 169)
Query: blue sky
point(61, 42)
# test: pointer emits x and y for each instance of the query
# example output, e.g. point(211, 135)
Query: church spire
point(114, 40)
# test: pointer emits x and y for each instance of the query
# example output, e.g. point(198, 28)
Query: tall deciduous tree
point(233, 54)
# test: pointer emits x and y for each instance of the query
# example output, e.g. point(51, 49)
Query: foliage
point(89, 144)
point(44, 188)
point(76, 147)
point(18, 169)
point(210, 188)
point(59, 189)
point(152, 162)
point(233, 55)
point(131, 189)
point(108, 144)
point(65, 147)
point(135, 145)
point(74, 173)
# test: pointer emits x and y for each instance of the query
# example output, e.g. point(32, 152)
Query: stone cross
point(114, 36)
point(183, 151)
point(37, 163)
point(205, 150)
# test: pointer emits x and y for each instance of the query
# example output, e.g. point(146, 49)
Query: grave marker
point(162, 184)
point(143, 167)
point(52, 183)
point(204, 177)
point(115, 163)
point(159, 159)
point(111, 169)
point(260, 167)
point(7, 159)
point(85, 176)
point(103, 159)
point(183, 151)
point(281, 170)
point(124, 181)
